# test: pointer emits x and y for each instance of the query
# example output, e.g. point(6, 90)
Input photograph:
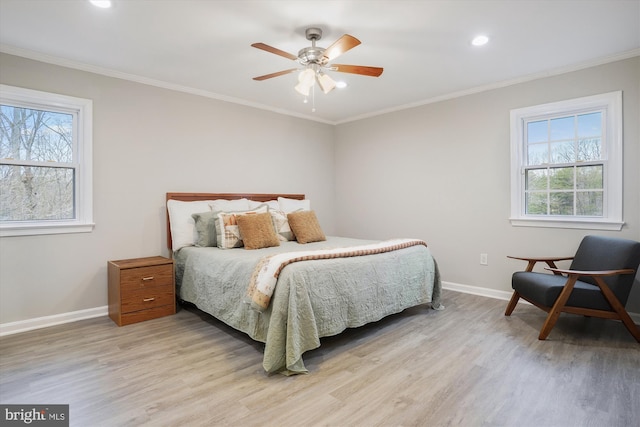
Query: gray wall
point(149, 141)
point(441, 172)
point(438, 172)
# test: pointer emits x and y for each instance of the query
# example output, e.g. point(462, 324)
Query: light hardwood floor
point(468, 365)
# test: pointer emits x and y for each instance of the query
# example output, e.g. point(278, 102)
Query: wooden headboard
point(192, 197)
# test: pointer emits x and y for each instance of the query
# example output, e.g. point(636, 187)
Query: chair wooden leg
point(631, 326)
point(555, 311)
point(619, 308)
point(512, 303)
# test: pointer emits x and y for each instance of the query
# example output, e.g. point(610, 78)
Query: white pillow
point(292, 205)
point(273, 204)
point(229, 205)
point(182, 224)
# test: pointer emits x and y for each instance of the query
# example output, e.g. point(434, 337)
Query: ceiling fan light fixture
point(326, 83)
point(306, 76)
point(302, 89)
point(306, 80)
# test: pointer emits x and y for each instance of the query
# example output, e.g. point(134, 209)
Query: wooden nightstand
point(141, 289)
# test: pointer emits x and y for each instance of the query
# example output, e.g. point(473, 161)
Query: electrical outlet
point(484, 260)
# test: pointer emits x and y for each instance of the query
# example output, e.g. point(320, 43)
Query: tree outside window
point(45, 163)
point(566, 164)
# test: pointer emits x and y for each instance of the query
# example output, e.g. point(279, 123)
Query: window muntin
point(567, 163)
point(564, 166)
point(45, 163)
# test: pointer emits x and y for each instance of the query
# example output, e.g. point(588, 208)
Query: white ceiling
point(204, 46)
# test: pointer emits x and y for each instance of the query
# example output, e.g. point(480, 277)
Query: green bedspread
point(312, 299)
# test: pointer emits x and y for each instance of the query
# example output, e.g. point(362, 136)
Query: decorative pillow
point(306, 227)
point(205, 229)
point(273, 204)
point(227, 233)
point(181, 222)
point(281, 225)
point(291, 205)
point(257, 231)
point(236, 205)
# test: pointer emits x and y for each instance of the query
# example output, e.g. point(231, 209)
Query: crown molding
point(42, 57)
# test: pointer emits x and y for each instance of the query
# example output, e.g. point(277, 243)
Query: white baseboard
point(74, 316)
point(502, 295)
point(56, 319)
point(475, 290)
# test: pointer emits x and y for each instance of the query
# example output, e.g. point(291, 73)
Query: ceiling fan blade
point(272, 49)
point(357, 69)
point(340, 46)
point(279, 73)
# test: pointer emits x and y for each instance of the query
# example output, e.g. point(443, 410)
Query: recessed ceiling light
point(341, 85)
point(480, 40)
point(105, 4)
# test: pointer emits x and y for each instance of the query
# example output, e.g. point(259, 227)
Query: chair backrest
point(609, 253)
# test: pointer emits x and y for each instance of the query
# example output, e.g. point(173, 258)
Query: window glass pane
point(562, 128)
point(537, 131)
point(561, 178)
point(590, 124)
point(589, 177)
point(589, 203)
point(30, 193)
point(536, 203)
point(563, 152)
point(561, 203)
point(27, 134)
point(589, 149)
point(537, 154)
point(566, 163)
point(536, 179)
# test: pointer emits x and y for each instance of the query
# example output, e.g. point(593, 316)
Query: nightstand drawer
point(146, 277)
point(142, 315)
point(142, 299)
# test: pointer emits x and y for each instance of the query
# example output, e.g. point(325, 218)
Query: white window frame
point(611, 104)
point(82, 110)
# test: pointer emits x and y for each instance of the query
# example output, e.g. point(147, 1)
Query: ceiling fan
point(316, 60)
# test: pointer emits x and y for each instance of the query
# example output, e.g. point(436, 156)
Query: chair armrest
point(553, 259)
point(594, 273)
point(551, 262)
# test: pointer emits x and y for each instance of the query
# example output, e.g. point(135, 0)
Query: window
point(45, 163)
point(566, 164)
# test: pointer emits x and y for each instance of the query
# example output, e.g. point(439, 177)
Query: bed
point(322, 287)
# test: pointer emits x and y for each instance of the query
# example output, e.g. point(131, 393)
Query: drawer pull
point(148, 299)
point(145, 279)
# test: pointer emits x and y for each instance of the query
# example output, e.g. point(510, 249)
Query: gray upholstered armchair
point(597, 283)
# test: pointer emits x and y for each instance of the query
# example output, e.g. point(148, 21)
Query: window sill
point(43, 229)
point(584, 224)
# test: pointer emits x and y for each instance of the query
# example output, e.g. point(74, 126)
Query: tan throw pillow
point(305, 227)
point(257, 231)
point(227, 232)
